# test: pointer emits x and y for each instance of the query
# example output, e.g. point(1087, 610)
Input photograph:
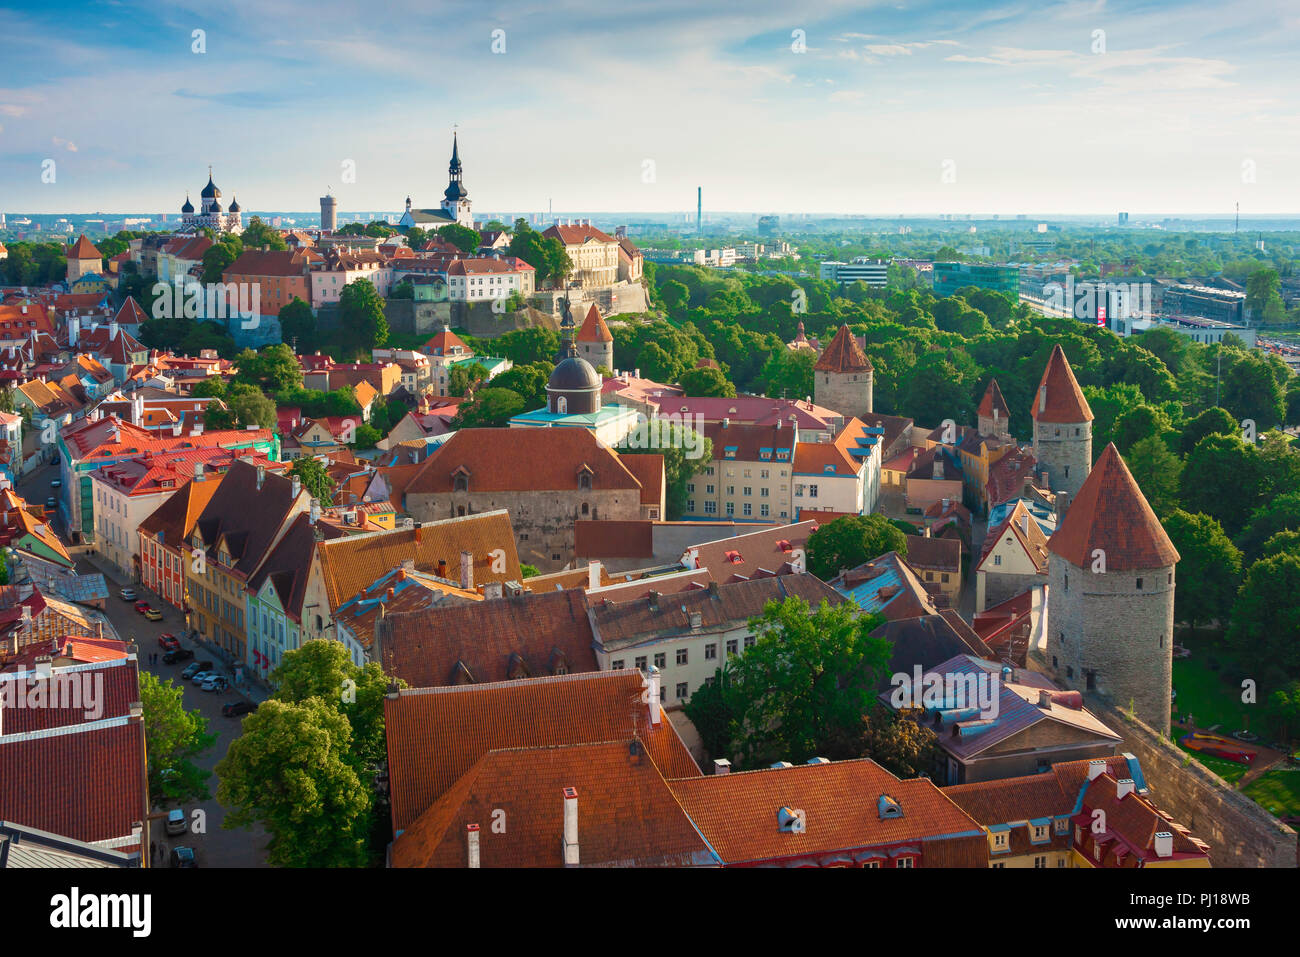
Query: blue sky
point(1018, 102)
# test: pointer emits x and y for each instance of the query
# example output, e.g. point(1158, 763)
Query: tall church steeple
point(456, 197)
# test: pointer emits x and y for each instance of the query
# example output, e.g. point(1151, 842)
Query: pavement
point(216, 847)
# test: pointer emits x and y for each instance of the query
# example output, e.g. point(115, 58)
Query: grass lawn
point(1230, 771)
point(1204, 693)
point(1278, 792)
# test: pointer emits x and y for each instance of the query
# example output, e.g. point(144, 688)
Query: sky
point(882, 109)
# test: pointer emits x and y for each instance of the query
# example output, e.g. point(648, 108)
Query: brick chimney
point(471, 842)
point(652, 696)
point(467, 571)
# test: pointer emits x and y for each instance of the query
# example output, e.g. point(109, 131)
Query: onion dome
point(188, 207)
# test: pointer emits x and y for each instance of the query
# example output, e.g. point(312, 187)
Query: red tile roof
point(594, 328)
point(83, 248)
point(577, 235)
point(843, 354)
point(1111, 513)
point(1059, 398)
point(528, 635)
point(747, 554)
point(627, 815)
point(738, 814)
point(435, 735)
point(993, 402)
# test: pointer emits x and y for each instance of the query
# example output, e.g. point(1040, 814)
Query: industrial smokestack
point(699, 207)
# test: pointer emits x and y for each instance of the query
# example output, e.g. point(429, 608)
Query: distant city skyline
point(1072, 108)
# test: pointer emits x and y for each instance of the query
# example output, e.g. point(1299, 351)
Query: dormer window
point(584, 481)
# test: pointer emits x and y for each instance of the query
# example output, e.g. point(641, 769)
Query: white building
point(874, 272)
point(475, 280)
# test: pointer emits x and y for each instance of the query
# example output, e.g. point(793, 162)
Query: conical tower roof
point(843, 354)
point(1110, 513)
point(993, 402)
point(594, 328)
point(1059, 398)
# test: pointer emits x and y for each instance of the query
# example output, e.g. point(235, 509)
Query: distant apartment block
point(950, 277)
point(874, 272)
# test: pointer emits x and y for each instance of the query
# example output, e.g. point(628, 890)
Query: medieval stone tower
point(595, 344)
point(1110, 600)
point(842, 377)
point(994, 417)
point(1062, 428)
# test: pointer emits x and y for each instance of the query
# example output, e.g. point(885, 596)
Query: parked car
point(56, 483)
point(235, 708)
point(176, 821)
point(183, 857)
point(200, 676)
point(178, 654)
point(216, 682)
point(51, 504)
point(141, 606)
point(153, 614)
point(168, 642)
point(194, 668)
point(128, 594)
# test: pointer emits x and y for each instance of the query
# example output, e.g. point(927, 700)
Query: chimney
point(721, 766)
point(1164, 844)
point(938, 467)
point(314, 516)
point(493, 590)
point(593, 574)
point(653, 599)
point(726, 422)
point(261, 476)
point(1042, 397)
point(1096, 769)
point(1124, 788)
point(570, 827)
point(1024, 522)
point(1044, 699)
point(471, 841)
point(295, 486)
point(467, 570)
point(44, 667)
point(198, 471)
point(112, 330)
point(653, 696)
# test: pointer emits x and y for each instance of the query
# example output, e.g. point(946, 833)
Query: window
point(731, 490)
point(732, 646)
point(640, 661)
point(710, 508)
point(763, 492)
point(1139, 584)
point(747, 509)
point(750, 640)
point(999, 864)
point(1062, 825)
point(690, 505)
point(763, 510)
point(747, 491)
point(997, 559)
point(711, 651)
point(905, 862)
point(944, 578)
point(690, 486)
point(812, 491)
point(708, 489)
point(682, 656)
point(1040, 832)
point(1000, 840)
point(682, 691)
point(584, 481)
point(616, 664)
point(661, 660)
point(1040, 861)
point(731, 508)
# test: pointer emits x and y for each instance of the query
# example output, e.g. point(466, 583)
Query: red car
point(142, 606)
point(168, 642)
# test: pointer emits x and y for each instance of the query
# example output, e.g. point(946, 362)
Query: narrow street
point(218, 847)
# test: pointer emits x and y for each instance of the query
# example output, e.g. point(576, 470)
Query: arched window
point(462, 483)
point(561, 405)
point(460, 510)
point(584, 481)
point(584, 508)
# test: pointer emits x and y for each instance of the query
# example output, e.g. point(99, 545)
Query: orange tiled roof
point(594, 328)
point(843, 354)
point(83, 248)
point(1111, 513)
point(993, 402)
point(737, 813)
point(627, 815)
point(1059, 398)
point(435, 735)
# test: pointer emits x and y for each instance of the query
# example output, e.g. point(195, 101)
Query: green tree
point(173, 739)
point(1156, 470)
point(462, 237)
point(314, 478)
point(1265, 628)
point(849, 541)
point(490, 408)
point(1215, 421)
point(674, 295)
point(788, 373)
point(273, 369)
point(1278, 514)
point(258, 235)
point(1263, 295)
point(361, 317)
point(463, 377)
point(528, 380)
point(1209, 568)
point(804, 686)
point(1223, 477)
point(707, 382)
point(366, 437)
point(292, 770)
point(1252, 391)
point(298, 325)
point(250, 406)
point(218, 257)
point(1279, 542)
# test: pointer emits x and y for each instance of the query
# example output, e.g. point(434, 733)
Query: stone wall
point(1064, 453)
point(848, 393)
point(1240, 832)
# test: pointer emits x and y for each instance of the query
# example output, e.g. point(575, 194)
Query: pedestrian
point(153, 852)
